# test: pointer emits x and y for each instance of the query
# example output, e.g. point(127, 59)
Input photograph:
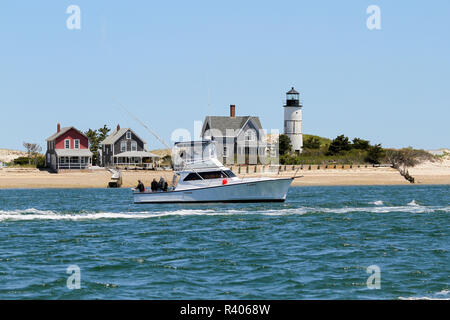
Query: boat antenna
point(209, 104)
point(143, 124)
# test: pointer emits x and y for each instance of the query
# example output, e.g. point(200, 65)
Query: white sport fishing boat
point(201, 177)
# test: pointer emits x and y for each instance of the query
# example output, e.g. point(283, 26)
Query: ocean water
point(316, 245)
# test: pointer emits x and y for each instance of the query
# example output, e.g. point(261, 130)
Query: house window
point(250, 135)
point(134, 146)
point(76, 143)
point(128, 135)
point(67, 144)
point(123, 146)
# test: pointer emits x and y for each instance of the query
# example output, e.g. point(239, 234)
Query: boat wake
point(441, 295)
point(35, 214)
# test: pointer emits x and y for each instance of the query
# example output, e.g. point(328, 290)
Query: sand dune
point(432, 172)
point(9, 155)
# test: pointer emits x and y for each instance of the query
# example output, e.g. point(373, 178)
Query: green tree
point(338, 145)
point(93, 144)
point(103, 133)
point(374, 154)
point(284, 144)
point(360, 144)
point(312, 143)
point(95, 139)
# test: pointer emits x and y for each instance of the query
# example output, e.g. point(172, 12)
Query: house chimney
point(58, 127)
point(232, 110)
point(118, 127)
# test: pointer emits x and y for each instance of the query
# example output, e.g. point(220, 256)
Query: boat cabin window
point(209, 175)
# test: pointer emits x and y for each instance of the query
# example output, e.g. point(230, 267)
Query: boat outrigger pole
point(143, 124)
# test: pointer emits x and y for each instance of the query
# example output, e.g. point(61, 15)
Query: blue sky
point(172, 63)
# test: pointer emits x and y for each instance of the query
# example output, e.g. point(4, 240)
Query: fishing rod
point(143, 124)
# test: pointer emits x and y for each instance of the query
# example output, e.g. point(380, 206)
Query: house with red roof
point(68, 149)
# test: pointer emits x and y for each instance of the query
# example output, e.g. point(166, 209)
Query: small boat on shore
point(200, 177)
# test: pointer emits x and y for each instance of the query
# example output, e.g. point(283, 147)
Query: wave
point(422, 298)
point(437, 296)
point(443, 292)
point(377, 203)
point(36, 214)
point(413, 203)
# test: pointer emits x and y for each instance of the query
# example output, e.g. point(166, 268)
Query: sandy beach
point(426, 173)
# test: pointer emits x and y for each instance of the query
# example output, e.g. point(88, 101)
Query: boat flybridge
point(201, 177)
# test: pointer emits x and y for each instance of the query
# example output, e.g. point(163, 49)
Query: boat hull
point(262, 190)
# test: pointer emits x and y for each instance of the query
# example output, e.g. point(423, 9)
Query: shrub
point(374, 154)
point(21, 161)
point(312, 143)
point(407, 157)
point(40, 161)
point(338, 145)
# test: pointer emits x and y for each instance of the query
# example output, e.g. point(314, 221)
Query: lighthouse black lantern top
point(292, 98)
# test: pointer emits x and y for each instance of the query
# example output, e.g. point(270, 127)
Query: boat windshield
point(193, 152)
point(209, 175)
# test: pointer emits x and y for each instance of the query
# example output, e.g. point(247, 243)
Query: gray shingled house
point(236, 136)
point(123, 147)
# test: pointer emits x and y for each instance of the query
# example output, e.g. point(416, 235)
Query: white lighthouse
point(293, 120)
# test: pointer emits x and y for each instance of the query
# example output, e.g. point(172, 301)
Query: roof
point(292, 91)
point(137, 154)
point(73, 153)
point(115, 135)
point(62, 131)
point(222, 123)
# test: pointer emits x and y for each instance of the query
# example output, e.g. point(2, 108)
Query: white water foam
point(377, 203)
point(443, 292)
point(422, 298)
point(35, 214)
point(439, 294)
point(413, 203)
